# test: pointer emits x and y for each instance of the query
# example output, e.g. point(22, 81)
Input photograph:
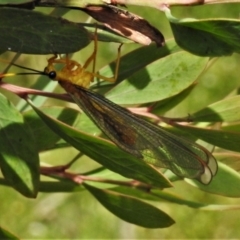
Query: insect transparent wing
point(143, 139)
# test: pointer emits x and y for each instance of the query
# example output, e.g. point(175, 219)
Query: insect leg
point(114, 78)
point(92, 58)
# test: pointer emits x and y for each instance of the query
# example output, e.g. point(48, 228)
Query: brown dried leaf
point(126, 24)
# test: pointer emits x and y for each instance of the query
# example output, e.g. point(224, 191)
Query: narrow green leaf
point(211, 87)
point(226, 110)
point(18, 155)
point(170, 104)
point(54, 186)
point(32, 32)
point(60, 186)
point(5, 235)
point(147, 54)
point(157, 195)
point(46, 138)
point(234, 127)
point(3, 2)
point(213, 37)
point(226, 182)
point(201, 206)
point(106, 153)
point(131, 209)
point(221, 138)
point(230, 159)
point(215, 207)
point(157, 81)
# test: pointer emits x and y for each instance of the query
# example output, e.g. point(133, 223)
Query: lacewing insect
point(135, 135)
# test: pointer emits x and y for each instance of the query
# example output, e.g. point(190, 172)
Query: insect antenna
point(33, 71)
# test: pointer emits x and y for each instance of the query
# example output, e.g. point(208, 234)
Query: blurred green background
point(79, 215)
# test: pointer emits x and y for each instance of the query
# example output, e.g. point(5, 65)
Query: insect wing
point(143, 139)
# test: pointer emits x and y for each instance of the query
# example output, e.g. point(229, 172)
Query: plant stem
point(160, 4)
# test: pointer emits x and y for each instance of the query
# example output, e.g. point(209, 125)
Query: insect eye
point(52, 75)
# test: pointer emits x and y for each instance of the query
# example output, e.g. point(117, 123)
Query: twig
point(160, 4)
point(23, 92)
point(60, 172)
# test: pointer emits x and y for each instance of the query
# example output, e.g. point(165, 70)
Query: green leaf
point(147, 54)
point(131, 209)
point(5, 235)
point(226, 110)
point(60, 187)
point(226, 182)
point(211, 87)
point(157, 81)
point(106, 153)
point(3, 2)
point(63, 185)
point(221, 138)
point(46, 137)
point(18, 155)
point(32, 32)
point(157, 195)
point(207, 37)
point(230, 159)
point(201, 206)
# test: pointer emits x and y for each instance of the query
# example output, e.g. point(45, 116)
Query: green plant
point(178, 84)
